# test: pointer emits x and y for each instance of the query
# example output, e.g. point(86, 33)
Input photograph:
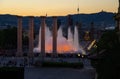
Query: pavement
point(32, 72)
point(61, 73)
point(58, 73)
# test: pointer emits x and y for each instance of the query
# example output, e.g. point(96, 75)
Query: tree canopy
point(107, 63)
point(8, 38)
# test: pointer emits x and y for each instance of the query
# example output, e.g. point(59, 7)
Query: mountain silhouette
point(100, 19)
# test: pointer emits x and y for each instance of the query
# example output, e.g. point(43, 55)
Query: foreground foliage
point(11, 73)
point(107, 64)
point(60, 64)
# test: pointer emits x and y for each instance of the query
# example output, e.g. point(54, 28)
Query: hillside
point(100, 19)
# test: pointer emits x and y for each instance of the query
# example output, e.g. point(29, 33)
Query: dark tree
point(8, 38)
point(107, 63)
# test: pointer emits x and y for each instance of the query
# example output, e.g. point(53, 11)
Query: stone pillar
point(19, 37)
point(31, 36)
point(54, 54)
point(43, 37)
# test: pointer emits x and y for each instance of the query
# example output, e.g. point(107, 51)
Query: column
point(31, 36)
point(19, 37)
point(54, 37)
point(43, 37)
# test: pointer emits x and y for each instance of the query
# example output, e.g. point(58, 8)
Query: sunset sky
point(55, 7)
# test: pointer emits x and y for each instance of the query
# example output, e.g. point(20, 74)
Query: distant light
point(92, 43)
point(82, 56)
point(95, 46)
point(78, 55)
point(110, 28)
point(87, 32)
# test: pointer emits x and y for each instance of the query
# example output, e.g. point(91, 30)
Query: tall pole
point(43, 37)
point(19, 37)
point(77, 23)
point(54, 36)
point(31, 36)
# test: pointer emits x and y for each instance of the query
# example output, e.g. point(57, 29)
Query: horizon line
point(54, 15)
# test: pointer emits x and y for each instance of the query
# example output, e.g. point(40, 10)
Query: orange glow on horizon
point(49, 13)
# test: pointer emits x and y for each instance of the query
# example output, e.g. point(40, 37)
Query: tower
point(77, 22)
point(78, 9)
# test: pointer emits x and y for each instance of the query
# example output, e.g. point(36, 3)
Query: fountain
point(77, 46)
point(70, 45)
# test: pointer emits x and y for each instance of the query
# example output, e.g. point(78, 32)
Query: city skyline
point(55, 7)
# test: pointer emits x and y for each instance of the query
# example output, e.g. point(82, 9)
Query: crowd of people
point(15, 62)
point(31, 62)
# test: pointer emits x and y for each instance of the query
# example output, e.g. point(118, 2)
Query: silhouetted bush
point(62, 64)
point(11, 73)
point(107, 64)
